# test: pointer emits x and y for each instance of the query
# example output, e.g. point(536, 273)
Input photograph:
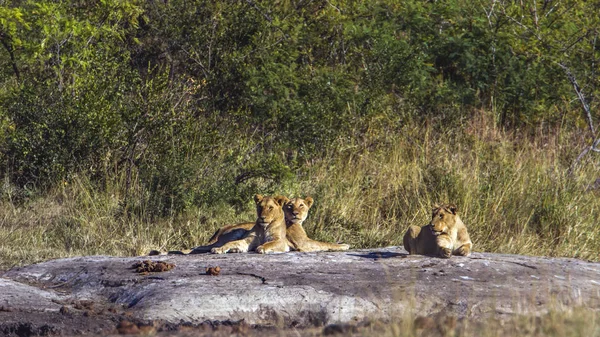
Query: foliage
point(195, 104)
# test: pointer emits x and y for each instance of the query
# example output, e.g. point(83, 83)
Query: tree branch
point(588, 115)
point(586, 107)
point(10, 50)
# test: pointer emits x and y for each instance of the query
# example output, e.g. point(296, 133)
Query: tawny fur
point(444, 236)
point(296, 211)
point(268, 233)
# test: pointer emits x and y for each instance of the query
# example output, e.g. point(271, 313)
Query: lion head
point(269, 209)
point(296, 209)
point(443, 218)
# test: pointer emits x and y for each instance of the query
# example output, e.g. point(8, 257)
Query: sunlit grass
point(514, 192)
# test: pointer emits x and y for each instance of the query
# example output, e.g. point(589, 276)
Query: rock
point(299, 289)
point(15, 296)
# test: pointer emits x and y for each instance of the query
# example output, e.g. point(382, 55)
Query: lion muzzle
point(435, 232)
point(295, 220)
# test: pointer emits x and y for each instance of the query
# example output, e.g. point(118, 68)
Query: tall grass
point(514, 192)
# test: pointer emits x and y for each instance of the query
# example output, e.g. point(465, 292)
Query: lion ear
point(281, 200)
point(258, 198)
point(309, 201)
point(452, 208)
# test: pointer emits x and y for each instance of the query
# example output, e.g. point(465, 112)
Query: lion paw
point(261, 250)
point(445, 252)
point(217, 251)
point(462, 251)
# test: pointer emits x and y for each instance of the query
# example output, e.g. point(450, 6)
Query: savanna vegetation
point(129, 125)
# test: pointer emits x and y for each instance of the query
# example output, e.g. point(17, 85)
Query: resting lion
point(268, 233)
point(223, 235)
point(296, 211)
point(445, 236)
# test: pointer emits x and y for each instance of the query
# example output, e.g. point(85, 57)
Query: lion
point(222, 236)
point(444, 236)
point(268, 233)
point(219, 238)
point(296, 211)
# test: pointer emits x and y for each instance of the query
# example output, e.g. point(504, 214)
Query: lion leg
point(467, 245)
point(213, 242)
point(202, 249)
point(179, 252)
point(155, 252)
point(215, 237)
point(318, 246)
point(464, 250)
point(275, 246)
point(444, 243)
point(410, 239)
point(237, 246)
point(223, 235)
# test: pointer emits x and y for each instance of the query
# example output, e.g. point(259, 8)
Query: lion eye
point(441, 216)
point(301, 206)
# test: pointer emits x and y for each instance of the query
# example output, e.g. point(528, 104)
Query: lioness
point(223, 235)
point(296, 211)
point(444, 236)
point(268, 233)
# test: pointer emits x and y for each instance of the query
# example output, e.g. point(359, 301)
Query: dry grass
point(514, 193)
point(576, 322)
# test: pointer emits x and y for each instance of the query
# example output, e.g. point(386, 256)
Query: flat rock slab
point(302, 289)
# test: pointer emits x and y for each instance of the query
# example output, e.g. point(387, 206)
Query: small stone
point(64, 310)
point(127, 328)
point(213, 271)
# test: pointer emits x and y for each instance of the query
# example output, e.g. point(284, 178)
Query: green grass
point(514, 193)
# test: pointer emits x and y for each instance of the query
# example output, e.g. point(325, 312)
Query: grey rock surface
point(304, 289)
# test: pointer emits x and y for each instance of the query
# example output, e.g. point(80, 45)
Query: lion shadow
point(380, 255)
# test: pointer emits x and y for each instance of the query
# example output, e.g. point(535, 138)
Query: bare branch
point(265, 15)
point(489, 13)
point(586, 107)
point(535, 15)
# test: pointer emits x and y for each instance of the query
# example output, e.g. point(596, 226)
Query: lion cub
point(296, 211)
point(268, 233)
point(445, 236)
